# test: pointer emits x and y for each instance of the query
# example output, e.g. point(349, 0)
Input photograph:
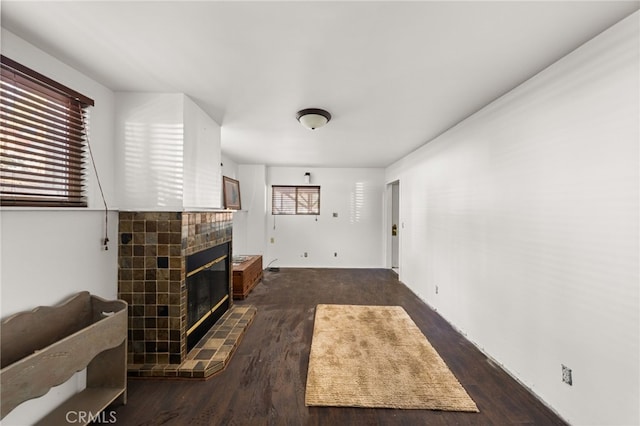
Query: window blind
point(42, 140)
point(295, 200)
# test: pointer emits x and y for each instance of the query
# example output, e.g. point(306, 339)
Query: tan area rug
point(375, 356)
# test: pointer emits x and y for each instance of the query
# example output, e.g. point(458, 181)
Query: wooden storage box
point(246, 275)
point(45, 347)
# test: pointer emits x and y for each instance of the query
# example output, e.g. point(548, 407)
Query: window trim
point(40, 78)
point(295, 212)
point(44, 143)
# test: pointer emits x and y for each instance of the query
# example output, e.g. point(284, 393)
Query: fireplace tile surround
point(212, 353)
point(151, 278)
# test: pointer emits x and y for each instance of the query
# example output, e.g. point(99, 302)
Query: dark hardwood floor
point(264, 383)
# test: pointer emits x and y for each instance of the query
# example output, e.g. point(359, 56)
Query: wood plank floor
point(265, 381)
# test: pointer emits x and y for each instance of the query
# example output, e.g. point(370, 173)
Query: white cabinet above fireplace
point(168, 153)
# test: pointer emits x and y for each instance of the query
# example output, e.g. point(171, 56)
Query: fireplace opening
point(207, 280)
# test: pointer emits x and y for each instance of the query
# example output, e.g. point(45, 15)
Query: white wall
point(229, 167)
point(202, 180)
point(249, 224)
point(168, 153)
point(525, 218)
point(47, 255)
point(356, 195)
point(149, 145)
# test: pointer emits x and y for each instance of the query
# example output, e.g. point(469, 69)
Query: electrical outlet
point(566, 375)
point(436, 289)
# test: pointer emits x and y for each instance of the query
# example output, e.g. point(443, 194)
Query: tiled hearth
point(211, 354)
point(153, 247)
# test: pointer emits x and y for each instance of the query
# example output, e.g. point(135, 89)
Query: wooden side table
point(246, 275)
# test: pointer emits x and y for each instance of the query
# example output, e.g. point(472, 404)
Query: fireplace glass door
point(207, 291)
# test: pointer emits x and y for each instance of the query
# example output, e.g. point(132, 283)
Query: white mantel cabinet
point(168, 153)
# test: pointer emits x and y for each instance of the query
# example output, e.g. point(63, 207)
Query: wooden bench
point(246, 275)
point(43, 348)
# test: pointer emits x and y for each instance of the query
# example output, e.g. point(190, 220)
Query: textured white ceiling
point(393, 74)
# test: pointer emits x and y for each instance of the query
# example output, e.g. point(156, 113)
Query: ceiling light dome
point(313, 118)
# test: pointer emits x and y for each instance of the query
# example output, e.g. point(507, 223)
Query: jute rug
point(375, 356)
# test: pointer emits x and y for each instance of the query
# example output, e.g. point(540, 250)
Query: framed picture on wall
point(231, 192)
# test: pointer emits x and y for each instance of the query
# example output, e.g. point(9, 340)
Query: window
point(295, 200)
point(42, 140)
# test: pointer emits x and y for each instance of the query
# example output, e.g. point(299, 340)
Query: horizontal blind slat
point(9, 199)
point(14, 167)
point(43, 180)
point(27, 151)
point(7, 140)
point(29, 85)
point(17, 129)
point(40, 202)
point(24, 161)
point(48, 125)
point(68, 115)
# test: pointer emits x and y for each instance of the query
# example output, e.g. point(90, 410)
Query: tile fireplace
point(158, 254)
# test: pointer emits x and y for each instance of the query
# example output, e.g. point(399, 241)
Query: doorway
point(392, 231)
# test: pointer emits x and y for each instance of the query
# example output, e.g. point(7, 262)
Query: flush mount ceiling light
point(313, 118)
